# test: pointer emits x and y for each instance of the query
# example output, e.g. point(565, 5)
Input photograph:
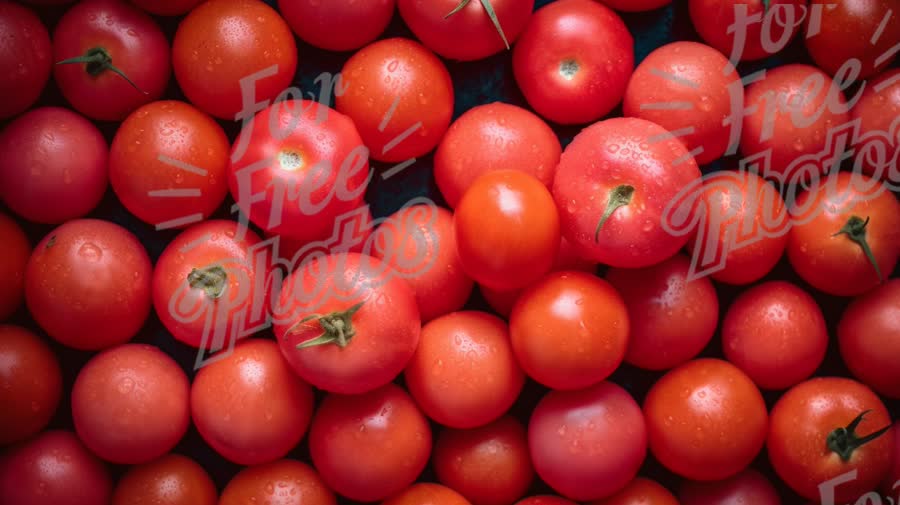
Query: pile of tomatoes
point(652, 277)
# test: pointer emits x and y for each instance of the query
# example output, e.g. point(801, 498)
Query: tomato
point(825, 427)
point(891, 484)
point(877, 111)
point(545, 500)
point(342, 25)
point(636, 5)
point(167, 164)
point(222, 42)
point(748, 486)
point(713, 18)
point(30, 384)
point(167, 7)
point(53, 468)
point(87, 284)
point(496, 136)
point(282, 482)
point(50, 154)
point(869, 338)
point(587, 444)
point(641, 491)
point(400, 97)
point(386, 434)
point(248, 405)
point(361, 227)
point(838, 225)
point(419, 244)
point(612, 185)
point(665, 326)
point(297, 168)
point(684, 87)
point(489, 465)
point(466, 31)
point(507, 230)
point(426, 492)
point(16, 251)
point(346, 324)
point(24, 58)
point(568, 53)
point(706, 420)
point(94, 44)
point(172, 479)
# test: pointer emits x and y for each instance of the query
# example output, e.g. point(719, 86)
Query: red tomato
point(16, 251)
point(360, 224)
point(30, 384)
point(466, 31)
point(891, 484)
point(222, 42)
point(167, 7)
point(614, 215)
point(706, 420)
point(464, 373)
point(24, 58)
point(748, 487)
point(386, 434)
point(839, 224)
point(87, 284)
point(172, 479)
point(249, 406)
point(337, 25)
point(50, 154)
point(167, 163)
point(568, 53)
point(587, 444)
point(853, 30)
point(100, 40)
point(282, 482)
point(545, 500)
point(641, 491)
point(491, 137)
point(400, 96)
point(53, 468)
point(869, 338)
point(507, 230)
point(713, 18)
point(877, 111)
point(666, 325)
point(825, 427)
point(636, 5)
point(426, 492)
point(346, 324)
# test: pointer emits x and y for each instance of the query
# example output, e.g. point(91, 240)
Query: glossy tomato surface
point(172, 479)
point(30, 383)
point(25, 58)
point(16, 251)
point(282, 482)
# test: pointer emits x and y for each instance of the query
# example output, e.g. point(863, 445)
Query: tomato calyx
point(765, 4)
point(337, 328)
point(620, 196)
point(855, 229)
point(212, 280)
point(489, 9)
point(96, 61)
point(50, 242)
point(843, 441)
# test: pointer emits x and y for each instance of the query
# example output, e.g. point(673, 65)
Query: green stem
point(618, 197)
point(855, 229)
point(337, 328)
point(489, 9)
point(766, 6)
point(211, 280)
point(97, 60)
point(843, 441)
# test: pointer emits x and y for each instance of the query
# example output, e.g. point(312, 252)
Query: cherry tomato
point(53, 165)
point(713, 18)
point(338, 25)
point(167, 7)
point(426, 492)
point(386, 434)
point(614, 215)
point(172, 479)
point(16, 251)
point(869, 338)
point(249, 406)
point(748, 487)
point(641, 491)
point(891, 484)
point(877, 111)
point(569, 51)
point(282, 482)
point(30, 384)
point(87, 284)
point(24, 58)
point(545, 500)
point(636, 5)
point(825, 427)
point(400, 97)
point(706, 420)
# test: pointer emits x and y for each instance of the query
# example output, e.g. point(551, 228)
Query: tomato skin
point(748, 486)
point(342, 25)
point(249, 406)
point(563, 434)
point(167, 7)
point(172, 479)
point(706, 420)
point(869, 338)
point(384, 430)
point(282, 482)
point(712, 18)
point(426, 492)
point(877, 112)
point(891, 484)
point(16, 251)
point(545, 500)
point(570, 49)
point(361, 222)
point(30, 383)
point(51, 154)
point(641, 491)
point(24, 58)
point(636, 5)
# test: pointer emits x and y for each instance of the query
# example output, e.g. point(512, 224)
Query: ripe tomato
point(891, 484)
point(282, 482)
point(748, 487)
point(114, 58)
point(53, 468)
point(489, 465)
point(706, 420)
point(342, 25)
point(53, 165)
point(507, 230)
point(567, 430)
point(869, 338)
point(24, 58)
point(612, 185)
point(361, 226)
point(825, 427)
point(426, 492)
point(464, 373)
point(87, 284)
point(167, 7)
point(400, 97)
point(222, 42)
point(248, 405)
point(640, 491)
point(167, 163)
point(172, 479)
point(491, 137)
point(568, 53)
point(30, 384)
point(847, 239)
point(545, 500)
point(386, 434)
point(636, 5)
point(713, 18)
point(466, 31)
point(346, 324)
point(877, 111)
point(665, 326)
point(853, 30)
point(16, 251)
